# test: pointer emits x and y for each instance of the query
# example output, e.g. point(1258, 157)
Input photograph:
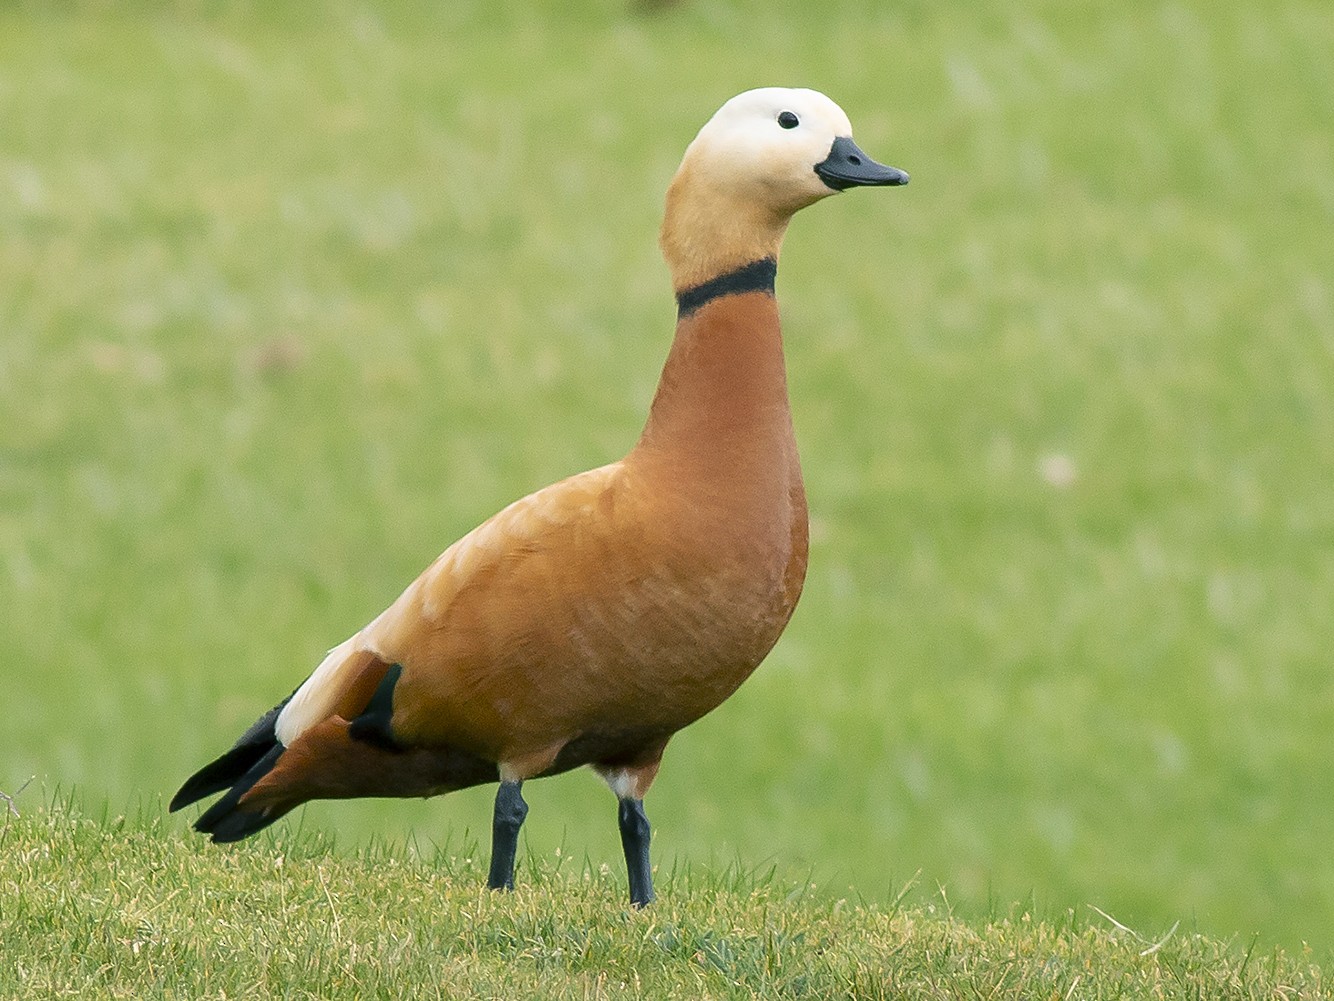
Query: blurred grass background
point(291, 296)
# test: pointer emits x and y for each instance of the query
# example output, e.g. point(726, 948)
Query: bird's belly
point(636, 650)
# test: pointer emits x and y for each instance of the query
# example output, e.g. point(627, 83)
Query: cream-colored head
point(764, 155)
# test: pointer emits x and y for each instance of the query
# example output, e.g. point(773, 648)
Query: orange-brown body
point(588, 622)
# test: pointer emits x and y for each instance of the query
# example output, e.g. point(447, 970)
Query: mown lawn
point(290, 298)
point(110, 907)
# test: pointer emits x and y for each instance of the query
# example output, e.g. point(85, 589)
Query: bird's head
point(763, 156)
point(782, 148)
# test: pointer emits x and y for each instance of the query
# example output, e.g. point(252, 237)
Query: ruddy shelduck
point(588, 622)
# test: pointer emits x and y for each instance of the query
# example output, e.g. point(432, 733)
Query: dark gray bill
point(846, 166)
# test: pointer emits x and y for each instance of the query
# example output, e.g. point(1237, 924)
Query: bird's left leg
point(630, 782)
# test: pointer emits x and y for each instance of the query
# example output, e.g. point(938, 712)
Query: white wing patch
point(314, 700)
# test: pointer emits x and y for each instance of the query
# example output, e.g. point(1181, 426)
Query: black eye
point(788, 120)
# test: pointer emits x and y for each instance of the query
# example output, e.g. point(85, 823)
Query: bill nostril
point(856, 161)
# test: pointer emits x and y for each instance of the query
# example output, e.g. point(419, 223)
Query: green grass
point(117, 908)
point(291, 298)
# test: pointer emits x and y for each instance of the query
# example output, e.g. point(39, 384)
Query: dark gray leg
point(634, 838)
point(505, 824)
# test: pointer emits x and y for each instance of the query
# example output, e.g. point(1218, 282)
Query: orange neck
point(722, 401)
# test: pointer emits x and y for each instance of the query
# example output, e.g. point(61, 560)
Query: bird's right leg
point(635, 835)
point(505, 824)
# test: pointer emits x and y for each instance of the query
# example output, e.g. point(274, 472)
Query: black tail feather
point(223, 772)
point(224, 820)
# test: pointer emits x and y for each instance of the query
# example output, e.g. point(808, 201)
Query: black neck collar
point(757, 276)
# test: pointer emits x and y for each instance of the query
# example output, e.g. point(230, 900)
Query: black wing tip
point(217, 775)
point(183, 798)
point(225, 771)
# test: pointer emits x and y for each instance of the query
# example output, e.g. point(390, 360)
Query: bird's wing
point(497, 597)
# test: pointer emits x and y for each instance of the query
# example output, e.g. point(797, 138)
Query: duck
point(587, 623)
